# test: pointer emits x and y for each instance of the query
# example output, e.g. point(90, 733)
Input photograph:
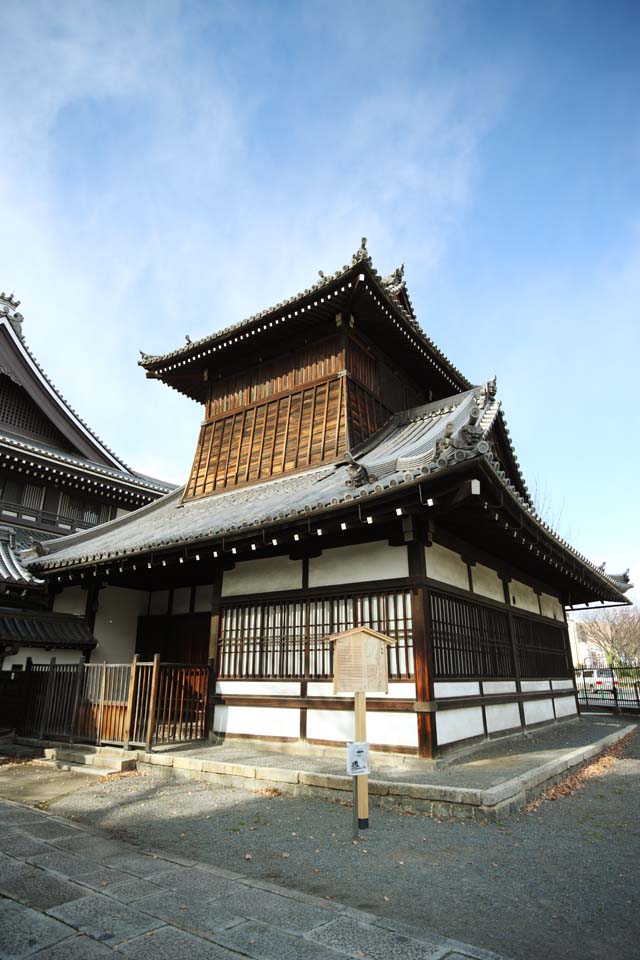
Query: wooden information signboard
point(360, 667)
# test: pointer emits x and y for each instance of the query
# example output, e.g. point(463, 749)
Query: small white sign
point(357, 759)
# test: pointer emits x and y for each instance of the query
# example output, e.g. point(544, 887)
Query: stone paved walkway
point(72, 893)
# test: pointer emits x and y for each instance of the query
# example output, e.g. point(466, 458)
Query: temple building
point(56, 477)
point(345, 473)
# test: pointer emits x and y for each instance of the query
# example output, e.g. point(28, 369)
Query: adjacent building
point(56, 477)
point(346, 473)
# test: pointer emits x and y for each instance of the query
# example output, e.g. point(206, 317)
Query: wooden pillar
point(214, 638)
point(514, 649)
point(422, 655)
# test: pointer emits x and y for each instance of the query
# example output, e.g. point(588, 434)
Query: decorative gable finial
point(362, 253)
point(9, 309)
point(358, 473)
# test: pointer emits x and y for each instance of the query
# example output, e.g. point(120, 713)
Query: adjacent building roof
point(83, 451)
point(53, 631)
point(11, 570)
point(414, 446)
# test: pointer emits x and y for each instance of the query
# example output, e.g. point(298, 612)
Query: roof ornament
point(144, 356)
point(9, 309)
point(358, 473)
point(395, 281)
point(187, 338)
point(361, 254)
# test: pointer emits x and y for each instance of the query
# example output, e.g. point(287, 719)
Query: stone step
point(115, 762)
point(86, 769)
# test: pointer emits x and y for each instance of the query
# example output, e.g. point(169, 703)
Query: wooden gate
point(126, 704)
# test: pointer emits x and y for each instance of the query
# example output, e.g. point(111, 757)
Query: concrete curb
point(460, 802)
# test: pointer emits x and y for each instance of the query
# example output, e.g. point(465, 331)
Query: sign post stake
point(360, 706)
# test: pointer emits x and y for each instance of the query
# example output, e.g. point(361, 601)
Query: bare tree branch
point(614, 634)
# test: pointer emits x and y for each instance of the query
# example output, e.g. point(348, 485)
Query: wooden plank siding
point(293, 412)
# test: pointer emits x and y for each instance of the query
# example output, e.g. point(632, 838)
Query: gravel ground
point(560, 882)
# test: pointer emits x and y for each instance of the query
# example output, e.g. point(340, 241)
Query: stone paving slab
point(168, 943)
point(24, 931)
point(104, 918)
point(169, 911)
point(264, 942)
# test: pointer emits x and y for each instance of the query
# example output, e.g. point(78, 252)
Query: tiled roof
point(412, 446)
point(30, 628)
point(77, 462)
point(11, 569)
point(383, 289)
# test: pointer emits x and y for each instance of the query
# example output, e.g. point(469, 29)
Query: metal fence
point(611, 688)
point(125, 704)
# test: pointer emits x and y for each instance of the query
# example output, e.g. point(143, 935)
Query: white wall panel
point(159, 602)
point(72, 600)
point(181, 600)
point(531, 686)
point(487, 583)
point(455, 725)
point(258, 721)
point(335, 725)
point(565, 706)
point(262, 576)
point(562, 684)
point(259, 688)
point(499, 686)
point(203, 599)
point(393, 729)
point(538, 710)
point(358, 562)
point(524, 597)
point(459, 689)
point(117, 623)
point(551, 607)
point(446, 565)
point(502, 716)
point(40, 655)
point(397, 691)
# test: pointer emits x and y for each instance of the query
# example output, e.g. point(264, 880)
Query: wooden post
point(129, 716)
point(153, 699)
point(422, 655)
point(46, 706)
point(76, 701)
point(360, 708)
point(214, 638)
point(514, 648)
point(103, 684)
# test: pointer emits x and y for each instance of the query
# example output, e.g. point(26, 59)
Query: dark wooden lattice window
point(285, 639)
point(18, 492)
point(83, 510)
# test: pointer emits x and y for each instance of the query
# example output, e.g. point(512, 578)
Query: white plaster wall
point(392, 729)
point(159, 602)
point(260, 688)
point(72, 600)
point(181, 600)
point(334, 725)
point(447, 566)
point(397, 691)
point(117, 623)
point(40, 655)
point(459, 724)
point(262, 576)
point(258, 721)
point(502, 716)
point(487, 583)
point(461, 689)
point(562, 684)
point(203, 599)
point(529, 686)
point(525, 597)
point(565, 706)
point(551, 607)
point(499, 686)
point(538, 710)
point(358, 562)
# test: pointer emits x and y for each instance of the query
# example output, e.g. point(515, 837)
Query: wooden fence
point(127, 704)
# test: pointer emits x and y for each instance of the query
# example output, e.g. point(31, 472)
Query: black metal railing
point(609, 688)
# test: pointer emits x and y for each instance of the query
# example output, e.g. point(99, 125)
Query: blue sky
point(167, 168)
